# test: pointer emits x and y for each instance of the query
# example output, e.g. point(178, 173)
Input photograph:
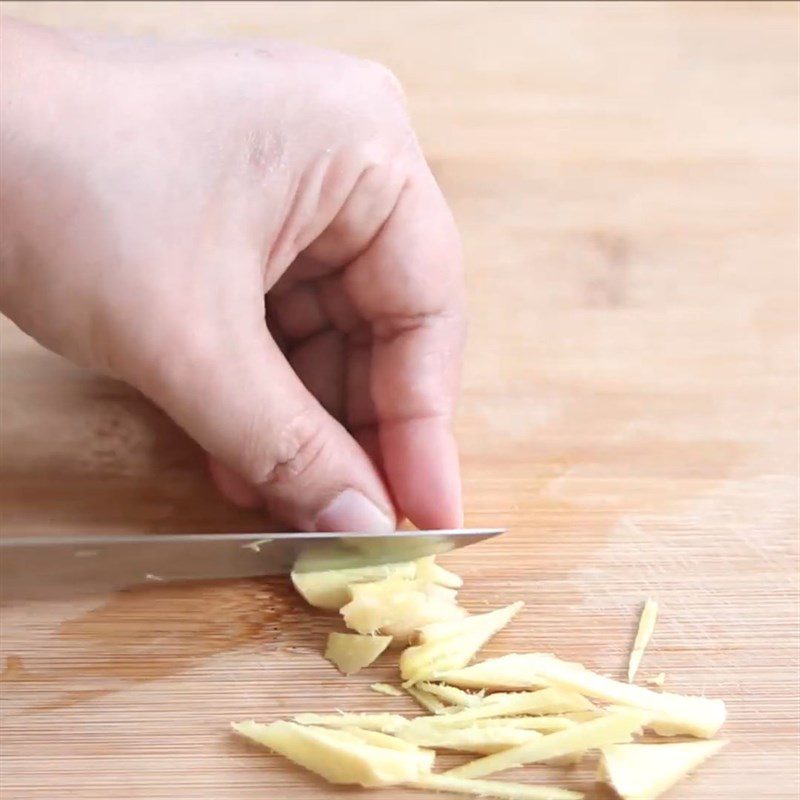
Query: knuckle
point(383, 80)
point(296, 450)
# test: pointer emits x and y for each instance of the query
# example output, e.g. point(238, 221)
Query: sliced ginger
point(429, 570)
point(340, 756)
point(384, 723)
point(647, 624)
point(497, 789)
point(330, 589)
point(483, 740)
point(351, 652)
point(646, 771)
point(452, 645)
point(543, 724)
point(399, 607)
point(387, 689)
point(430, 702)
point(610, 729)
point(546, 717)
point(546, 701)
point(695, 716)
point(452, 694)
point(514, 671)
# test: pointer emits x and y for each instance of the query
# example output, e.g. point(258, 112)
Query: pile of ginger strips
point(510, 711)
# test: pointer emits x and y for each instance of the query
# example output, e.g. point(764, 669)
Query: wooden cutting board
point(625, 177)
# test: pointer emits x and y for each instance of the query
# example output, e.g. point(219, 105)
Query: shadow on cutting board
point(150, 632)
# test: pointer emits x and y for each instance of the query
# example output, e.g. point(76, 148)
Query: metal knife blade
point(55, 566)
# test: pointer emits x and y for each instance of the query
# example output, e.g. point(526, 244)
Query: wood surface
point(626, 180)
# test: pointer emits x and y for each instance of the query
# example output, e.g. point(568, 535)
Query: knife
point(46, 567)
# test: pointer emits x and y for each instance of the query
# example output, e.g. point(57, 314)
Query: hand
point(160, 200)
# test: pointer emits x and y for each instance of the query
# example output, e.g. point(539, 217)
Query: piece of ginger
point(429, 570)
point(339, 756)
point(695, 716)
point(543, 724)
point(330, 589)
point(545, 701)
point(351, 652)
point(647, 624)
point(646, 771)
point(384, 723)
point(500, 790)
point(483, 740)
point(430, 702)
point(452, 694)
point(609, 729)
point(513, 671)
point(387, 689)
point(451, 645)
point(399, 607)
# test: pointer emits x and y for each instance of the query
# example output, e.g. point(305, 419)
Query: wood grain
point(626, 180)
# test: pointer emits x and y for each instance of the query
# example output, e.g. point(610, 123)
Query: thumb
point(244, 404)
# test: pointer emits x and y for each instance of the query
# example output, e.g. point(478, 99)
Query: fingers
point(409, 285)
point(233, 486)
point(244, 404)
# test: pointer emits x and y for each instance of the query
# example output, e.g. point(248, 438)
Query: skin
point(160, 201)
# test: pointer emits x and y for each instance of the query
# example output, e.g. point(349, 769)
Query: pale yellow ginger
point(385, 723)
point(686, 714)
point(452, 694)
point(501, 790)
point(547, 717)
point(543, 724)
point(694, 716)
point(351, 652)
point(610, 729)
point(451, 645)
point(660, 723)
point(339, 756)
point(646, 771)
point(513, 671)
point(585, 716)
point(481, 740)
point(656, 680)
point(399, 607)
point(381, 739)
point(545, 701)
point(330, 589)
point(647, 624)
point(387, 689)
point(428, 570)
point(430, 702)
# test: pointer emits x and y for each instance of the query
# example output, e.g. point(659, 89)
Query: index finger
point(409, 286)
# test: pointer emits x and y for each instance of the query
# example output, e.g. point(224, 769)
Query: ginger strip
point(451, 645)
point(384, 723)
point(496, 789)
point(339, 756)
point(611, 729)
point(646, 771)
point(647, 624)
point(351, 652)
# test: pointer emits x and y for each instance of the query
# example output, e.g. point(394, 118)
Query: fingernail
point(351, 511)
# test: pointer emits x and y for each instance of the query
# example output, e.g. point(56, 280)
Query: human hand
point(160, 199)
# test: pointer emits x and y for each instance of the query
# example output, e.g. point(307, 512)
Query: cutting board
point(625, 178)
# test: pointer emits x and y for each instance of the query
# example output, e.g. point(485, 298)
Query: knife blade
point(46, 567)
